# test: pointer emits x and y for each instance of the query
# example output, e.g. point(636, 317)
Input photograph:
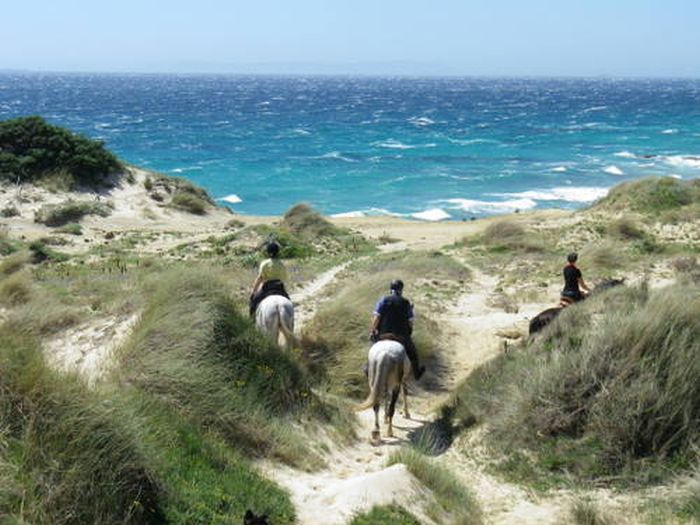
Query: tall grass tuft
point(64, 457)
point(451, 495)
point(196, 353)
point(611, 390)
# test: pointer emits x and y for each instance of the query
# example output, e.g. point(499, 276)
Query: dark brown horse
point(545, 317)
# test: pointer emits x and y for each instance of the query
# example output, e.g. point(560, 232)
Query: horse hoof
point(407, 415)
point(376, 439)
point(390, 433)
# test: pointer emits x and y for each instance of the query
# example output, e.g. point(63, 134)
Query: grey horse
point(388, 370)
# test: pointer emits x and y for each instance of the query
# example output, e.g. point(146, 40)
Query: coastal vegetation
point(609, 393)
point(168, 411)
point(32, 150)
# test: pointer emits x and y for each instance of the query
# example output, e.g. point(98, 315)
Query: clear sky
point(467, 37)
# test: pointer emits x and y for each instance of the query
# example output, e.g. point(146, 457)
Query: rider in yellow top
point(271, 278)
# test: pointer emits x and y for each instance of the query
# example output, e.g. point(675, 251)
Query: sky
point(414, 37)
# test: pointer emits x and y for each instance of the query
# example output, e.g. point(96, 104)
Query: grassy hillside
point(609, 393)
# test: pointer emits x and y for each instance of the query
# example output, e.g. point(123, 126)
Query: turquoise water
point(426, 147)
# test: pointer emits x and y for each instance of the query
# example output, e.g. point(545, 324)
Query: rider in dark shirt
point(393, 319)
point(575, 288)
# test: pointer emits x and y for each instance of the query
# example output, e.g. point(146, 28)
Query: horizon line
point(165, 72)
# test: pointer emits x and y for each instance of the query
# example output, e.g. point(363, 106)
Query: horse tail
point(285, 311)
point(377, 373)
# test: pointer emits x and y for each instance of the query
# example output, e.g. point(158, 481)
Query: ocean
point(427, 148)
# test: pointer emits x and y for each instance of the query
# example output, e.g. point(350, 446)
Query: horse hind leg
point(392, 409)
point(404, 389)
point(376, 438)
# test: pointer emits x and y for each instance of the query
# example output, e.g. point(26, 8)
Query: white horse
point(275, 317)
point(388, 369)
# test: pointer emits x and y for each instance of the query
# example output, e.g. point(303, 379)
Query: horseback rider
point(393, 319)
point(271, 277)
point(575, 289)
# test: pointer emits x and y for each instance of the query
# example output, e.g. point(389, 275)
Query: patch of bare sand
point(88, 349)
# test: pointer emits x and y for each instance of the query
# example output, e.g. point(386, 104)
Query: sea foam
point(613, 170)
point(432, 215)
point(565, 194)
point(231, 199)
point(478, 206)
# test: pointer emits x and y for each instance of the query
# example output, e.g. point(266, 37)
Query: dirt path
point(356, 477)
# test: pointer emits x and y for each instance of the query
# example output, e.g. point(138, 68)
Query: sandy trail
point(356, 477)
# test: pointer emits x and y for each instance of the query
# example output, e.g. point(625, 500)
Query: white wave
point(301, 131)
point(421, 121)
point(469, 142)
point(349, 214)
point(625, 155)
point(432, 215)
point(231, 199)
point(682, 161)
point(675, 176)
point(613, 170)
point(336, 155)
point(566, 194)
point(395, 144)
point(370, 212)
point(594, 108)
point(670, 131)
point(477, 206)
point(177, 170)
point(559, 169)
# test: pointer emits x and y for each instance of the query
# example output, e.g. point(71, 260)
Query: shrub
point(40, 253)
point(386, 515)
point(190, 203)
point(302, 219)
point(626, 229)
point(15, 289)
point(651, 195)
point(13, 263)
point(9, 211)
point(69, 211)
point(505, 235)
point(32, 149)
point(72, 228)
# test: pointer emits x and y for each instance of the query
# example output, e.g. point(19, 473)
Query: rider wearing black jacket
point(393, 319)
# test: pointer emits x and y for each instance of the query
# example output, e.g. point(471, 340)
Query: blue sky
point(468, 37)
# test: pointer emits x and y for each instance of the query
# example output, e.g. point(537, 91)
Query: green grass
point(662, 198)
point(72, 228)
point(385, 515)
point(609, 394)
point(69, 211)
point(66, 458)
point(189, 202)
point(453, 498)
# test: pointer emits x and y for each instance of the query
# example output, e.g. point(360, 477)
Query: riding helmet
point(396, 285)
point(272, 249)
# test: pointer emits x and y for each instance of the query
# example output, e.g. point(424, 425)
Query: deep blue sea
point(424, 147)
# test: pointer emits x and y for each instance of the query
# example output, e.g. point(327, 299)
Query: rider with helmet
point(271, 277)
point(393, 319)
point(575, 289)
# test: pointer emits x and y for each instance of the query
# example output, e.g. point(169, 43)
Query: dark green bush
point(31, 149)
